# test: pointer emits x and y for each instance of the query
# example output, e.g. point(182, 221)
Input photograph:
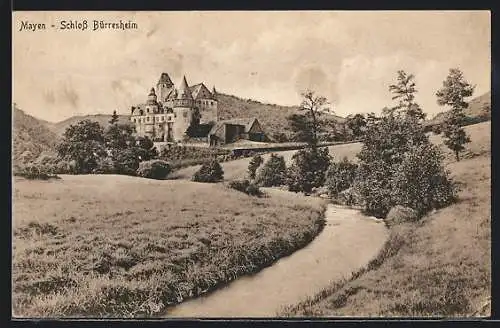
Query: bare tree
point(313, 105)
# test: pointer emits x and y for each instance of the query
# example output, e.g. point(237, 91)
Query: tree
point(340, 176)
point(357, 124)
point(118, 137)
point(209, 172)
point(453, 93)
point(254, 164)
point(308, 169)
point(308, 126)
point(273, 173)
point(148, 145)
point(386, 141)
point(84, 144)
point(404, 93)
point(421, 181)
point(114, 118)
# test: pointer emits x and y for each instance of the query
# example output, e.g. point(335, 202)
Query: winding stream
point(348, 241)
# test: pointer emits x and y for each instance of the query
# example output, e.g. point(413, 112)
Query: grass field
point(438, 267)
point(237, 169)
point(126, 247)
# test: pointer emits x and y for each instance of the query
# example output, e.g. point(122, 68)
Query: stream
point(348, 241)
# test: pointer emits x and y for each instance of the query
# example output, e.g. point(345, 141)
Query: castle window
point(148, 118)
point(185, 114)
point(147, 110)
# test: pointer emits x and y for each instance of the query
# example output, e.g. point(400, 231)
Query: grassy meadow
point(237, 169)
point(119, 246)
point(440, 266)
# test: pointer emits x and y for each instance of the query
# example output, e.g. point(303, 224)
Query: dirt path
point(348, 241)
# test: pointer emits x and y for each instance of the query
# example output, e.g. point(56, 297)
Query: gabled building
point(228, 131)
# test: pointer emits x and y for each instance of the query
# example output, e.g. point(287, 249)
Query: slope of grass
point(479, 106)
point(237, 169)
point(30, 137)
point(438, 267)
point(127, 247)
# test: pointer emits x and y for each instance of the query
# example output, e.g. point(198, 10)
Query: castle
point(169, 111)
point(175, 115)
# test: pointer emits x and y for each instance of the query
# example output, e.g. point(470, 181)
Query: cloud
point(349, 57)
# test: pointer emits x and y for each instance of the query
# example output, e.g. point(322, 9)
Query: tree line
point(397, 164)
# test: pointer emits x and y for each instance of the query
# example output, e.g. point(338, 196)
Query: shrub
point(209, 172)
point(127, 160)
point(154, 169)
point(373, 184)
point(254, 164)
point(386, 141)
point(105, 165)
point(246, 186)
point(308, 169)
point(35, 172)
point(273, 173)
point(340, 176)
point(66, 167)
point(421, 182)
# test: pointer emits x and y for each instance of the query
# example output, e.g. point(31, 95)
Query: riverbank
point(118, 246)
point(348, 241)
point(439, 267)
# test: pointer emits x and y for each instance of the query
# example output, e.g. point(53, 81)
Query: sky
point(350, 57)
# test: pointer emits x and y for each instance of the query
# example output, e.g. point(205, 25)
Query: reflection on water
point(348, 241)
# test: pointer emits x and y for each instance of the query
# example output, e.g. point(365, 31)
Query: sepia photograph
point(251, 164)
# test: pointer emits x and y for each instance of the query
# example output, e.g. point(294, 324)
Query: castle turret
point(164, 86)
point(183, 106)
point(152, 99)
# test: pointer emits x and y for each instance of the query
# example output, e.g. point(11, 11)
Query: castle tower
point(164, 86)
point(183, 105)
point(151, 108)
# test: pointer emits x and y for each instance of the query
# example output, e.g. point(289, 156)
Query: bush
point(372, 183)
point(421, 182)
point(273, 173)
point(154, 169)
point(254, 164)
point(209, 172)
point(127, 160)
point(340, 176)
point(66, 167)
point(387, 140)
point(105, 165)
point(246, 186)
point(34, 172)
point(308, 170)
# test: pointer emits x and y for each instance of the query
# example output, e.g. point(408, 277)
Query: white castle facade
point(170, 111)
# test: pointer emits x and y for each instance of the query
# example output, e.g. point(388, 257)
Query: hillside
point(30, 137)
point(273, 117)
point(440, 266)
point(478, 107)
point(103, 120)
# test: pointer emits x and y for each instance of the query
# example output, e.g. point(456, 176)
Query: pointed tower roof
point(152, 92)
point(164, 78)
point(184, 92)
